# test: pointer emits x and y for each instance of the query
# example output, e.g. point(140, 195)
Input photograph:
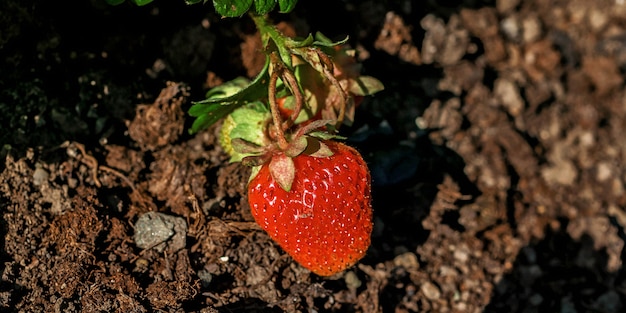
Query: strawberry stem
point(278, 123)
point(269, 31)
point(281, 50)
point(290, 79)
point(328, 72)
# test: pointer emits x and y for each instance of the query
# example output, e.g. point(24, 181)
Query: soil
point(496, 151)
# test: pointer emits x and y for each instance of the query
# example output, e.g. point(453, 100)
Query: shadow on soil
point(559, 274)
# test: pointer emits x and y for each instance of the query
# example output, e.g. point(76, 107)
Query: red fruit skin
point(285, 113)
point(325, 221)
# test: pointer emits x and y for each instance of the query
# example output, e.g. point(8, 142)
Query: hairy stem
point(328, 73)
point(269, 32)
point(275, 73)
point(290, 80)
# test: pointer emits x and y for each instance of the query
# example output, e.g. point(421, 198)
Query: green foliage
point(233, 8)
point(236, 8)
point(137, 2)
point(310, 72)
point(299, 71)
point(224, 99)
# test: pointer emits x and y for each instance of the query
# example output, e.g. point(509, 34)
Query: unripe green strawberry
point(324, 220)
point(224, 136)
point(245, 123)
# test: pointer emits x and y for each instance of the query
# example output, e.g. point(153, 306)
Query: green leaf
point(223, 101)
point(366, 86)
point(263, 6)
point(286, 6)
point(285, 55)
point(306, 42)
point(232, 8)
point(228, 88)
point(209, 117)
point(323, 41)
point(141, 2)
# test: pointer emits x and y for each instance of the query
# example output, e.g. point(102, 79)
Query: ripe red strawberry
point(324, 221)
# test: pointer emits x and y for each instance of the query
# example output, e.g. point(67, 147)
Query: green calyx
point(280, 162)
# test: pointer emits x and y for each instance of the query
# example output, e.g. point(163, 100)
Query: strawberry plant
point(308, 191)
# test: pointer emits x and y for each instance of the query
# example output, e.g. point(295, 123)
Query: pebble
point(205, 277)
point(352, 280)
point(531, 29)
point(597, 19)
point(508, 93)
point(603, 171)
point(40, 176)
point(407, 260)
point(160, 231)
point(431, 291)
point(510, 27)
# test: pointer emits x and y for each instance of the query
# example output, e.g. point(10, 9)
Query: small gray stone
point(160, 231)
point(205, 277)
